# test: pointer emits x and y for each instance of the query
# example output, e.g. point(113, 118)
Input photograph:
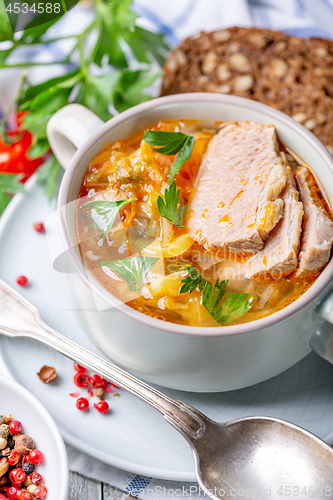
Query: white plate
point(38, 423)
point(133, 437)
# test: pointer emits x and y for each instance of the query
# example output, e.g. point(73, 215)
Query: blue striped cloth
point(178, 19)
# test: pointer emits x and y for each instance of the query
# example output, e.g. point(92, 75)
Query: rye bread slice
point(290, 74)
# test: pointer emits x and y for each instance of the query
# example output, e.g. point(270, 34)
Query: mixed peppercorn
point(18, 458)
point(97, 383)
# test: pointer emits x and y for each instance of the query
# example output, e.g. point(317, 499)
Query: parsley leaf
point(166, 143)
point(193, 280)
point(9, 185)
point(48, 174)
point(104, 213)
point(6, 33)
point(182, 158)
point(171, 143)
point(133, 269)
point(234, 306)
point(169, 208)
point(4, 200)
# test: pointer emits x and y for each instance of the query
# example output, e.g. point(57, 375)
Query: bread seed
point(234, 47)
point(299, 117)
point(209, 63)
point(280, 47)
point(203, 80)
point(171, 64)
point(258, 40)
point(310, 124)
point(320, 118)
point(240, 63)
point(222, 36)
point(180, 57)
point(223, 72)
point(222, 89)
point(280, 68)
point(243, 83)
point(321, 51)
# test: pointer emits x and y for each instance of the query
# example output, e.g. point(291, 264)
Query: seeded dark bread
point(290, 74)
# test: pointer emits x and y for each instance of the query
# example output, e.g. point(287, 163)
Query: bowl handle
point(68, 129)
point(321, 340)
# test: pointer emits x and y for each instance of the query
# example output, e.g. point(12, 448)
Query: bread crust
point(290, 74)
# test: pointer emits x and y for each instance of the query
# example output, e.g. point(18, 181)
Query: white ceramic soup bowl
point(15, 400)
point(184, 357)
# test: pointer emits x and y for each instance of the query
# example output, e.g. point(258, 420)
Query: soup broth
point(131, 170)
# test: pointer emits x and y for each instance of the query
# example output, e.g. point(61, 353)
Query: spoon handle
point(19, 318)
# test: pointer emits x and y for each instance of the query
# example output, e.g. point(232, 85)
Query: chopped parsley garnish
point(233, 307)
point(192, 281)
point(171, 143)
point(104, 213)
point(168, 208)
point(133, 269)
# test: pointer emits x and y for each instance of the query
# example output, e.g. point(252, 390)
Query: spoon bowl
point(258, 457)
point(247, 458)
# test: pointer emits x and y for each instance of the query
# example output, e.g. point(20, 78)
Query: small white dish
point(133, 437)
point(15, 400)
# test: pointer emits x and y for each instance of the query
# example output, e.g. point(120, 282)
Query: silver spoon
point(249, 458)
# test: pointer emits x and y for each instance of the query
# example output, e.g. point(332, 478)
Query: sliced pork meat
point(236, 202)
point(280, 254)
point(317, 234)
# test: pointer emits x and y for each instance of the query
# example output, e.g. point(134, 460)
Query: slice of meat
point(280, 254)
point(236, 202)
point(317, 234)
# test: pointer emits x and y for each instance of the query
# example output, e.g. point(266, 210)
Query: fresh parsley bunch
point(118, 39)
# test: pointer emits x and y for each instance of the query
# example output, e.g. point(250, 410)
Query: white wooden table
point(81, 488)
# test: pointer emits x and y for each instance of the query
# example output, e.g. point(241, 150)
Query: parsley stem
point(28, 65)
point(9, 109)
